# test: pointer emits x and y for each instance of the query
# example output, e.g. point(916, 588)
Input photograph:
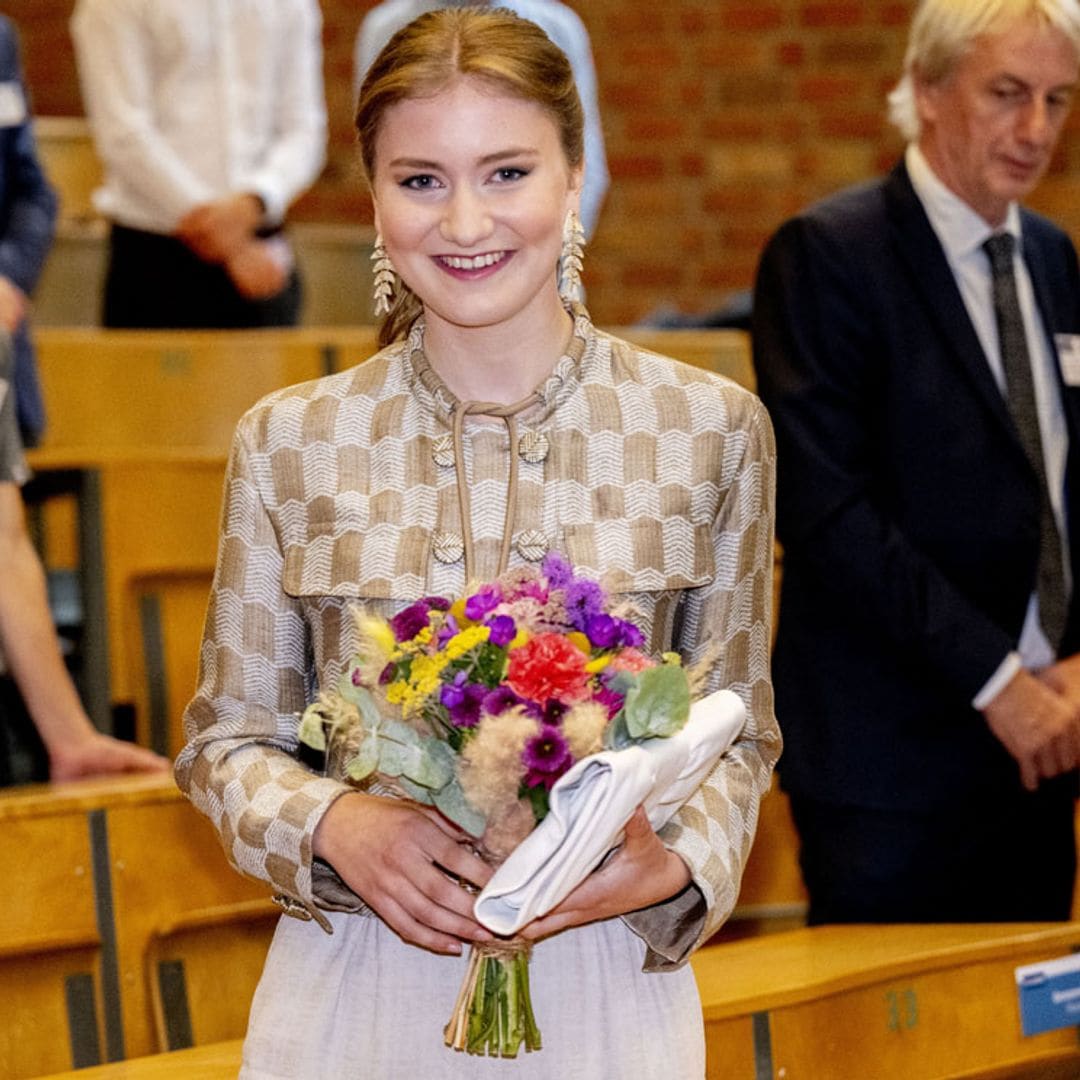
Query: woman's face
point(471, 190)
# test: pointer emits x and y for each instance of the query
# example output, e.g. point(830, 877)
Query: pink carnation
point(632, 660)
point(549, 667)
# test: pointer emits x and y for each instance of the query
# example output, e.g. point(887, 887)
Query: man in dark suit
point(27, 217)
point(925, 391)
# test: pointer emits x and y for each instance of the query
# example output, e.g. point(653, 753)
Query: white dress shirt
point(192, 100)
point(962, 232)
point(561, 24)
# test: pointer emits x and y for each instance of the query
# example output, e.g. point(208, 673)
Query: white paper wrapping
point(591, 804)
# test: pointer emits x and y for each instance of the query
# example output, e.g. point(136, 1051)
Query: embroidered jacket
point(654, 477)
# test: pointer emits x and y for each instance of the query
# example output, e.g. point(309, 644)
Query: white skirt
point(360, 1003)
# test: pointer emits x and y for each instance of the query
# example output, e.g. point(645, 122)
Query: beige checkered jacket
point(653, 476)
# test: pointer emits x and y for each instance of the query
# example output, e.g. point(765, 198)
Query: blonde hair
point(944, 30)
point(512, 55)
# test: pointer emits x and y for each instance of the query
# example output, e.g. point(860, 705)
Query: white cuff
point(998, 681)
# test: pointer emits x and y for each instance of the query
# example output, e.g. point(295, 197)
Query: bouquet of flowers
point(478, 707)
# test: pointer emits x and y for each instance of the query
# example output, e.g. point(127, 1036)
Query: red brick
point(827, 88)
point(640, 167)
point(752, 17)
point(850, 14)
point(651, 273)
point(852, 125)
point(791, 53)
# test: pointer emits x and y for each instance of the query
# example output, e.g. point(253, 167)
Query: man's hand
point(1064, 677)
point(1039, 726)
point(217, 230)
point(13, 305)
point(260, 268)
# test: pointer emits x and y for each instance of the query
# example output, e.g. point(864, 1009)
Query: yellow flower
point(464, 641)
point(601, 662)
point(520, 638)
point(576, 637)
point(457, 609)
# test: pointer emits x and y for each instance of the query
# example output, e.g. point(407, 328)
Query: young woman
point(497, 424)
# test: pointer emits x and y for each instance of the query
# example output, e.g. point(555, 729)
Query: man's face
point(989, 128)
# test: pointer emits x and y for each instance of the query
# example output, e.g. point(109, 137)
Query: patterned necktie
point(1020, 395)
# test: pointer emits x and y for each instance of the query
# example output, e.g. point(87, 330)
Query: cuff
point(998, 681)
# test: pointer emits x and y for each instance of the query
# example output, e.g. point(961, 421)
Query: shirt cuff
point(998, 681)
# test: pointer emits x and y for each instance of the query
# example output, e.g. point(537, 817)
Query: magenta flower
point(408, 622)
point(546, 757)
point(463, 700)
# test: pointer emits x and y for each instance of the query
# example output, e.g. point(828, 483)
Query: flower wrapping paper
point(590, 805)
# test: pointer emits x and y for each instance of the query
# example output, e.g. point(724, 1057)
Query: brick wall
point(722, 117)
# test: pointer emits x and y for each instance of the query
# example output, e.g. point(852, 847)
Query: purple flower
point(632, 636)
point(436, 603)
point(503, 698)
point(602, 630)
point(480, 603)
point(462, 700)
point(408, 622)
point(546, 754)
point(448, 629)
point(554, 711)
point(502, 630)
point(584, 598)
point(557, 570)
point(387, 674)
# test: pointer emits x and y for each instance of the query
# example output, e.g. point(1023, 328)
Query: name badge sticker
point(1068, 350)
point(1049, 994)
point(12, 104)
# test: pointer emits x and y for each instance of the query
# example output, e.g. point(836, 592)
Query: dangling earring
point(570, 260)
point(385, 278)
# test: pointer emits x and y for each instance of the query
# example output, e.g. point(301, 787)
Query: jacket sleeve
point(28, 216)
point(817, 354)
point(239, 766)
point(732, 617)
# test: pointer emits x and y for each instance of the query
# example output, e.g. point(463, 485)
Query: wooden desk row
point(830, 1003)
point(123, 922)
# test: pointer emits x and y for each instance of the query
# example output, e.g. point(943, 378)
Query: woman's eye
point(509, 173)
point(419, 183)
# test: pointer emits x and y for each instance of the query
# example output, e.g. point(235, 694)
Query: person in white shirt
point(560, 23)
point(210, 120)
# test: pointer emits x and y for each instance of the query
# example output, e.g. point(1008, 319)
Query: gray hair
point(943, 31)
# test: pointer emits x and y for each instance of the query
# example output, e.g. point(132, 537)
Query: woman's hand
point(641, 873)
point(396, 856)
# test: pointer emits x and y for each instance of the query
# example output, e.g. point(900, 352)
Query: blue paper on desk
point(1049, 994)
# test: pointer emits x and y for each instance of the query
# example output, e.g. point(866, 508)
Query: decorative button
point(449, 547)
point(533, 447)
point(292, 907)
point(442, 451)
point(532, 545)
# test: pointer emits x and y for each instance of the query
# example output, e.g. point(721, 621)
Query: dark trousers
point(22, 753)
point(1009, 859)
point(156, 282)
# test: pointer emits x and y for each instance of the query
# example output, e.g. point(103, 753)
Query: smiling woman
point(497, 425)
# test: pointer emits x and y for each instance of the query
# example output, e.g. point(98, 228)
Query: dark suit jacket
point(907, 510)
point(27, 216)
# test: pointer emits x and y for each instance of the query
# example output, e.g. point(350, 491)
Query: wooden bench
point(832, 1003)
point(887, 1002)
point(119, 902)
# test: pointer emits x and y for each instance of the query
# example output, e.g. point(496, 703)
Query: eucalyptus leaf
point(364, 762)
point(361, 697)
point(616, 737)
point(400, 759)
point(416, 792)
point(451, 801)
point(311, 731)
point(659, 704)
